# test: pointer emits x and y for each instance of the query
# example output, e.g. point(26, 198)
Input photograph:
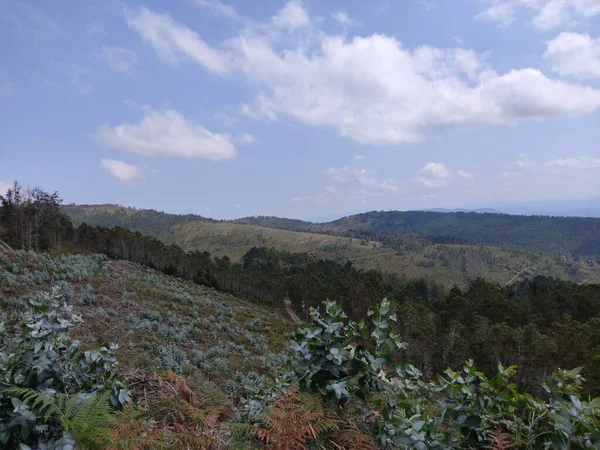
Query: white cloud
point(121, 170)
point(435, 170)
point(246, 138)
point(575, 163)
point(4, 187)
point(364, 177)
point(221, 9)
point(464, 174)
point(434, 175)
point(344, 19)
point(166, 133)
point(238, 205)
point(174, 42)
point(360, 158)
point(119, 59)
point(547, 14)
point(574, 54)
point(524, 162)
point(393, 95)
point(510, 175)
point(502, 14)
point(292, 16)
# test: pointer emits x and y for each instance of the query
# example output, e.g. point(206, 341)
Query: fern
point(130, 430)
point(500, 440)
point(352, 437)
point(292, 422)
point(85, 417)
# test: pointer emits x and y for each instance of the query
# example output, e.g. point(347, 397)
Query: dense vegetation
point(351, 380)
point(339, 389)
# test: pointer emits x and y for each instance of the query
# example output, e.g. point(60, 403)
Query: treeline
point(146, 221)
point(536, 324)
point(31, 219)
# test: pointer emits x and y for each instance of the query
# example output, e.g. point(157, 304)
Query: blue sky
point(307, 109)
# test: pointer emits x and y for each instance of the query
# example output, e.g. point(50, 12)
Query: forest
point(532, 327)
point(572, 235)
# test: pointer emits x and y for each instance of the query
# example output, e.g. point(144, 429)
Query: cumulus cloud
point(119, 59)
point(574, 54)
point(166, 133)
point(360, 157)
point(344, 19)
point(434, 175)
point(502, 14)
point(546, 14)
point(292, 16)
point(575, 163)
point(121, 170)
point(464, 174)
point(393, 95)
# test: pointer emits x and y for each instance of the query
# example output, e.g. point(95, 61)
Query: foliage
point(45, 359)
point(344, 359)
point(82, 418)
point(459, 409)
point(291, 422)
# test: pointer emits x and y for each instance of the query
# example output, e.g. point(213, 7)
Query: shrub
point(172, 357)
point(46, 360)
point(88, 295)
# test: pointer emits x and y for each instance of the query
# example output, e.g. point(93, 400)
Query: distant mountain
point(479, 210)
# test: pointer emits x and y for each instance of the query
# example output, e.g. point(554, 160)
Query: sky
point(307, 108)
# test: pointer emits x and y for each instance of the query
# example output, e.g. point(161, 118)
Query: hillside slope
point(573, 235)
point(448, 264)
point(159, 322)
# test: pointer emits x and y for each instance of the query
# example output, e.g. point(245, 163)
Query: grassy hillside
point(159, 322)
point(448, 264)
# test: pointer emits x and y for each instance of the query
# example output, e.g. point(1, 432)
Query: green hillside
point(574, 235)
point(412, 256)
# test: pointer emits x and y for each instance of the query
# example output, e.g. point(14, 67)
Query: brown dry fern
point(292, 422)
point(500, 440)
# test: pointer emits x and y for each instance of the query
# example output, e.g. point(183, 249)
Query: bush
point(46, 360)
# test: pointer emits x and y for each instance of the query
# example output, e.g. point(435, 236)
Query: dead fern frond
point(292, 422)
point(351, 436)
point(186, 425)
point(500, 440)
point(131, 430)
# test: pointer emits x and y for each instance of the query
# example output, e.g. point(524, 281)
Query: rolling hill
point(419, 257)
